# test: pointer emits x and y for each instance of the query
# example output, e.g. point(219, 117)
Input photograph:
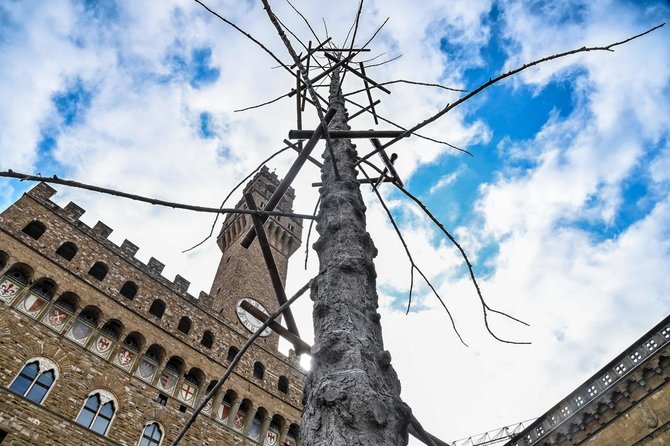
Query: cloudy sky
point(564, 206)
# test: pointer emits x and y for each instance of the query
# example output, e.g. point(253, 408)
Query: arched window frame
point(207, 340)
point(283, 384)
point(44, 365)
point(14, 282)
point(149, 362)
point(99, 271)
point(37, 299)
point(232, 352)
point(148, 438)
point(35, 229)
point(184, 325)
point(61, 311)
point(259, 370)
point(104, 397)
point(129, 290)
point(84, 325)
point(157, 308)
point(67, 250)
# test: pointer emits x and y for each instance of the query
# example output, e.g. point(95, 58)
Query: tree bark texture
point(352, 394)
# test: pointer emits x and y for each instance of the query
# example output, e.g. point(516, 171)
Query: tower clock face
point(251, 323)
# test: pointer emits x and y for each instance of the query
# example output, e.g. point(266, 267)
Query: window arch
point(149, 362)
point(61, 312)
point(190, 387)
point(207, 339)
point(257, 422)
point(184, 324)
point(223, 412)
point(34, 229)
point(128, 290)
point(157, 308)
point(151, 435)
point(34, 302)
point(106, 339)
point(21, 273)
point(67, 250)
point(282, 384)
point(127, 353)
point(292, 435)
point(35, 379)
point(4, 258)
point(14, 281)
point(98, 411)
point(232, 352)
point(259, 370)
point(98, 270)
point(86, 322)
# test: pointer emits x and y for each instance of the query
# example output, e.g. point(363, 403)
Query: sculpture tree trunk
point(352, 394)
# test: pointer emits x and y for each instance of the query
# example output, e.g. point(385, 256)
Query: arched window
point(127, 353)
point(242, 413)
point(207, 339)
point(223, 411)
point(232, 352)
point(257, 422)
point(276, 426)
point(98, 412)
point(35, 379)
point(292, 435)
point(4, 258)
point(83, 327)
point(282, 384)
point(106, 338)
point(168, 378)
point(14, 281)
point(157, 308)
point(67, 250)
point(128, 290)
point(148, 366)
point(188, 392)
point(152, 435)
point(34, 229)
point(184, 325)
point(98, 270)
point(259, 370)
point(37, 299)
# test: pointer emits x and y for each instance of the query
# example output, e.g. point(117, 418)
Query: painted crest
point(125, 357)
point(224, 411)
point(8, 290)
point(208, 407)
point(239, 421)
point(102, 345)
point(167, 381)
point(80, 331)
point(32, 304)
point(271, 438)
point(57, 317)
point(187, 392)
point(146, 370)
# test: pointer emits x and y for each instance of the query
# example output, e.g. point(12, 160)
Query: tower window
point(151, 436)
point(282, 384)
point(128, 290)
point(232, 352)
point(157, 308)
point(207, 339)
point(184, 325)
point(98, 270)
point(34, 229)
point(67, 250)
point(259, 370)
point(162, 399)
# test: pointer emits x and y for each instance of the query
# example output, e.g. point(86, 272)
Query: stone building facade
point(98, 348)
point(626, 403)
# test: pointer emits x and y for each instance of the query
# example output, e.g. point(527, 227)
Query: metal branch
point(304, 20)
point(189, 207)
point(411, 261)
point(236, 360)
point(379, 64)
point(261, 105)
point(305, 76)
point(243, 181)
point(353, 38)
point(493, 81)
point(473, 279)
point(404, 81)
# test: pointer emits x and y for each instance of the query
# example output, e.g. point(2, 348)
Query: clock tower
point(242, 273)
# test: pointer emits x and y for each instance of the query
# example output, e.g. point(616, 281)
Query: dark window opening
point(128, 290)
point(182, 408)
point(34, 229)
point(184, 325)
point(98, 270)
point(21, 273)
point(282, 385)
point(157, 308)
point(67, 250)
point(162, 399)
point(207, 339)
point(232, 352)
point(3, 435)
point(45, 288)
point(259, 370)
point(4, 258)
point(112, 328)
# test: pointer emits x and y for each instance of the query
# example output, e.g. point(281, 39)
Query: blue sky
point(563, 208)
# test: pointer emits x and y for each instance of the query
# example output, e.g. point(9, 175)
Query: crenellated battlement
point(72, 212)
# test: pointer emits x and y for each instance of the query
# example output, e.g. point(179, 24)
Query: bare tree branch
point(236, 360)
point(189, 207)
point(412, 263)
point(404, 81)
point(385, 62)
point(244, 180)
point(305, 20)
point(305, 75)
point(485, 307)
point(485, 85)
